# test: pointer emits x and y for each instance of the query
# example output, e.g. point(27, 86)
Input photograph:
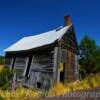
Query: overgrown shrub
point(1, 60)
point(92, 81)
point(5, 78)
point(20, 94)
point(1, 98)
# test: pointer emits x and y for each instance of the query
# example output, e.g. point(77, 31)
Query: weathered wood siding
point(20, 66)
point(9, 62)
point(69, 53)
point(41, 71)
point(55, 65)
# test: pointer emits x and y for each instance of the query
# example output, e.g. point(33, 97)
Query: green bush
point(89, 57)
point(5, 78)
point(1, 98)
point(1, 60)
point(6, 86)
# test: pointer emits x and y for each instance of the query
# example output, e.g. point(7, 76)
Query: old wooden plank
point(26, 65)
point(20, 66)
point(55, 67)
point(59, 62)
point(64, 60)
point(9, 62)
point(76, 67)
point(31, 66)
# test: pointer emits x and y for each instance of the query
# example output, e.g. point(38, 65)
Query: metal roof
point(35, 41)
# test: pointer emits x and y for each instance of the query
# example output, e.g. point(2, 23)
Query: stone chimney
point(67, 20)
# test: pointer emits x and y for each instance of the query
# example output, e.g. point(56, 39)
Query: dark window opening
point(39, 85)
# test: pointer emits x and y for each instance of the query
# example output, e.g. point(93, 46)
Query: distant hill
point(1, 60)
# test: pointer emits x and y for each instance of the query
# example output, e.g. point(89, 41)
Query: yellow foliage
point(1, 67)
point(61, 68)
point(94, 81)
point(87, 83)
point(58, 90)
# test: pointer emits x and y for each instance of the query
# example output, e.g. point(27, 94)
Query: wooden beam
point(26, 65)
point(55, 67)
point(12, 60)
point(14, 81)
point(59, 61)
point(31, 66)
point(76, 67)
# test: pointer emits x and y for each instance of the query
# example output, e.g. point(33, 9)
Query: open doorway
point(62, 74)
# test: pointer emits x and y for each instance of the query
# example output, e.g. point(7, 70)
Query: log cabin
point(43, 60)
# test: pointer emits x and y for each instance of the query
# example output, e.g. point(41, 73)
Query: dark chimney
point(67, 20)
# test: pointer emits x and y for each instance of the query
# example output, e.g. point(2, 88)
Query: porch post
point(55, 66)
point(59, 61)
point(76, 67)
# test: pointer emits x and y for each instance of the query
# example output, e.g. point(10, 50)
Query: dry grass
point(91, 81)
point(58, 90)
point(20, 94)
point(1, 67)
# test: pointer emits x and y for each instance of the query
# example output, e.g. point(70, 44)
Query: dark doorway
point(62, 74)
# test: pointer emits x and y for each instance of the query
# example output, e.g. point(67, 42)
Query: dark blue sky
point(20, 18)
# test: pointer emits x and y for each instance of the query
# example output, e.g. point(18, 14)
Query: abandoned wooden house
point(43, 60)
